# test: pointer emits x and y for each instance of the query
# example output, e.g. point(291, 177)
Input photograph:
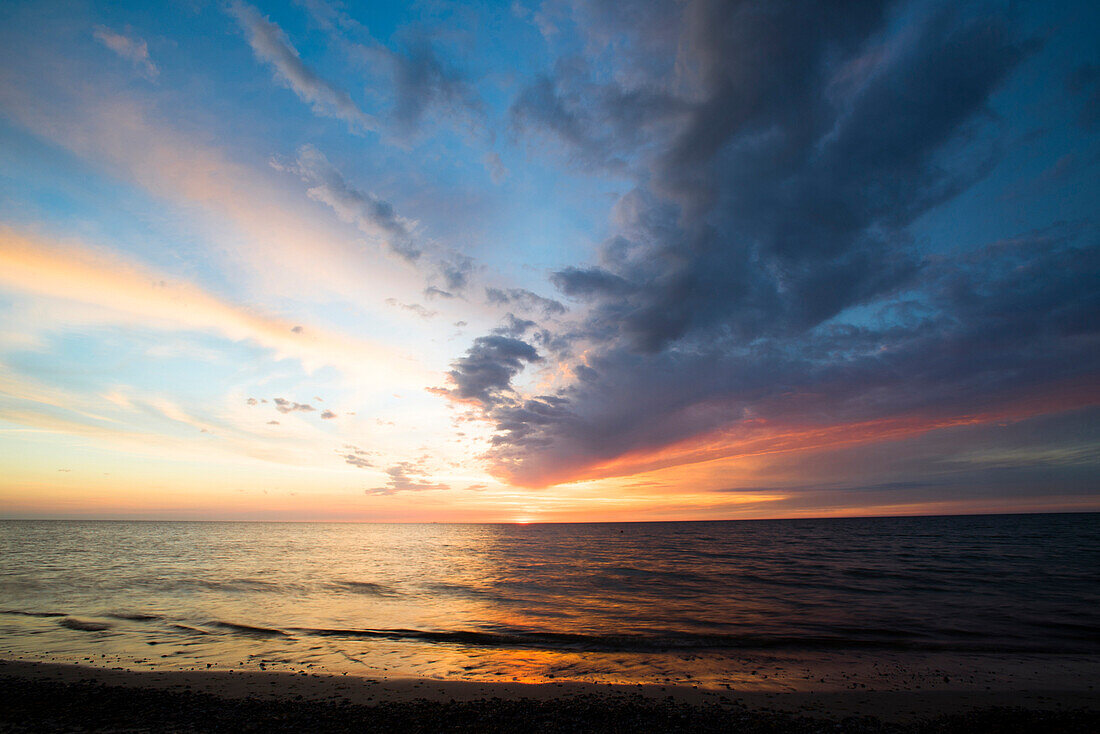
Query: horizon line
point(546, 522)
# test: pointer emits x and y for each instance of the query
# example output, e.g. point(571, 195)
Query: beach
point(62, 697)
point(918, 624)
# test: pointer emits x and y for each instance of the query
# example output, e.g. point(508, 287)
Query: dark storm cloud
point(596, 122)
point(485, 373)
point(591, 283)
point(1004, 322)
point(762, 266)
point(514, 327)
point(791, 194)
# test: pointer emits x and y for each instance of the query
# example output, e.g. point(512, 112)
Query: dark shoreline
point(41, 697)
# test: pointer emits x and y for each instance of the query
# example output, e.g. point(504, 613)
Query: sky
point(548, 261)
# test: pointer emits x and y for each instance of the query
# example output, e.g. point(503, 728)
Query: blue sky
point(547, 260)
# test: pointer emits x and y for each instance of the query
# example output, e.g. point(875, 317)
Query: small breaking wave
point(135, 617)
point(248, 629)
point(643, 643)
point(363, 587)
point(84, 625)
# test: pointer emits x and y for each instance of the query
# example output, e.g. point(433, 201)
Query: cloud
point(357, 457)
point(422, 81)
point(372, 215)
point(1010, 320)
point(416, 308)
point(599, 125)
point(328, 415)
point(270, 45)
point(760, 278)
point(455, 269)
point(591, 283)
point(432, 292)
point(380, 220)
point(134, 50)
point(495, 166)
point(524, 299)
point(513, 327)
point(286, 406)
point(485, 374)
point(123, 291)
point(406, 477)
point(254, 221)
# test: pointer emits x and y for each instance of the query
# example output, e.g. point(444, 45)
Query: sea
point(611, 602)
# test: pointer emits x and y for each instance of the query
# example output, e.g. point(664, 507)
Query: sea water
point(679, 601)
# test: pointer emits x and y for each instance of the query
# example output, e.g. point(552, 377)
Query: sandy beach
point(64, 697)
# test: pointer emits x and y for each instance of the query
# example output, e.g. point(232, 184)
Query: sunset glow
point(546, 262)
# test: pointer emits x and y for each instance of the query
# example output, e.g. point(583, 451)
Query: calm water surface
point(610, 601)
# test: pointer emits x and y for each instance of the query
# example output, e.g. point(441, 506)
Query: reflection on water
point(615, 602)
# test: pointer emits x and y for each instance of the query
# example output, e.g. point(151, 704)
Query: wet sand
point(61, 697)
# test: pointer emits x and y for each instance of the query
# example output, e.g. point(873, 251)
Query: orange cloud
point(760, 437)
point(133, 294)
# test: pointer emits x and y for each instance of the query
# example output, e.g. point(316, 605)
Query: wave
point(84, 625)
point(34, 614)
point(251, 630)
point(642, 643)
point(363, 587)
point(250, 585)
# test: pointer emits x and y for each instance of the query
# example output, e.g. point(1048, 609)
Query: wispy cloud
point(134, 50)
point(130, 293)
point(524, 299)
point(379, 219)
point(416, 308)
point(357, 457)
point(247, 211)
point(271, 45)
point(495, 166)
point(373, 216)
point(406, 476)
